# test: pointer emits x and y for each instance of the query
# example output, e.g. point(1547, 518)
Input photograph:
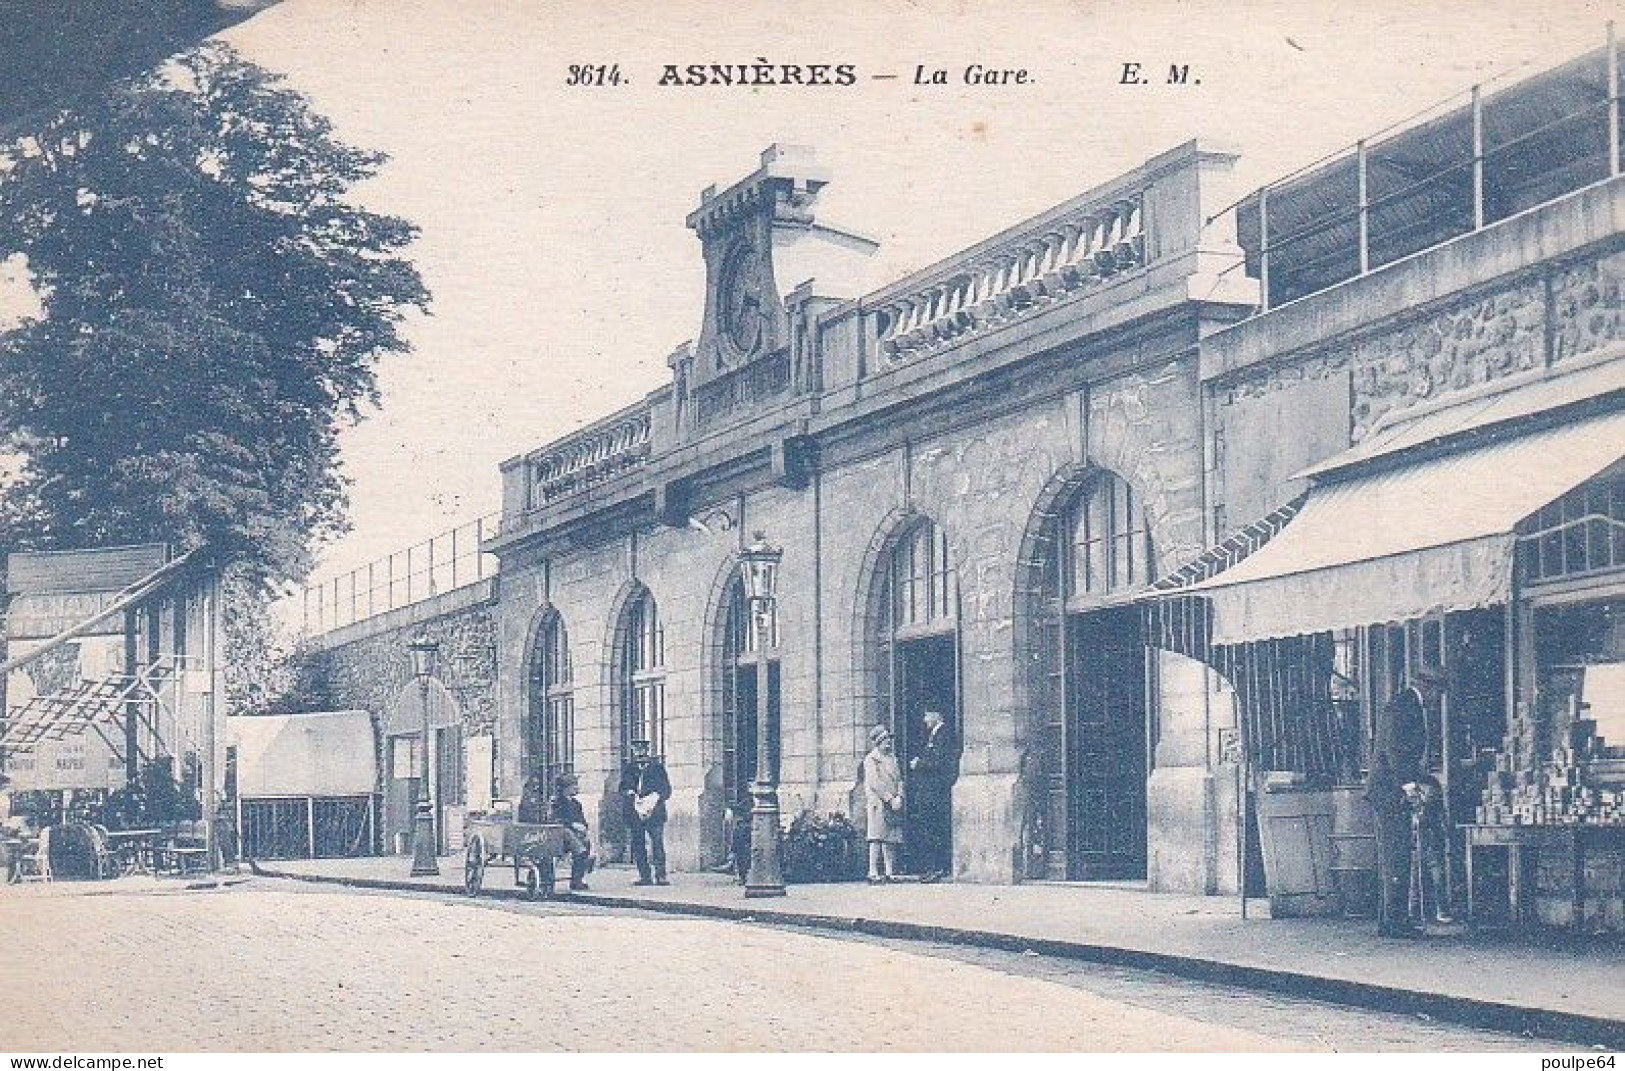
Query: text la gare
point(974, 75)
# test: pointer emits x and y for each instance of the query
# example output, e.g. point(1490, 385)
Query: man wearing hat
point(1398, 764)
point(932, 772)
point(644, 791)
point(566, 811)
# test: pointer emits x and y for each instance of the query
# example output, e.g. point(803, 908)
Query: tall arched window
point(1107, 549)
point(643, 676)
point(551, 739)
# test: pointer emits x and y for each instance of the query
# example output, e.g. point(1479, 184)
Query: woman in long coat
point(883, 796)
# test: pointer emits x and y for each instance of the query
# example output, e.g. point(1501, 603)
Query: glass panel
point(919, 575)
point(942, 577)
point(555, 656)
point(1098, 524)
point(403, 757)
point(1110, 547)
point(648, 638)
point(922, 578)
point(1616, 510)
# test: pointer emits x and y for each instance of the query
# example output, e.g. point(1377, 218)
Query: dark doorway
point(740, 745)
point(1106, 746)
point(927, 679)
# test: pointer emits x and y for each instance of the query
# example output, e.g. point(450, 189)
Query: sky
point(552, 215)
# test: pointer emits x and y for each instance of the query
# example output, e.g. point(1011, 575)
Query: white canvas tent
point(305, 783)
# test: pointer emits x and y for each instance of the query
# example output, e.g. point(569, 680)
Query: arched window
point(643, 676)
point(1107, 549)
point(551, 740)
point(1099, 728)
point(923, 587)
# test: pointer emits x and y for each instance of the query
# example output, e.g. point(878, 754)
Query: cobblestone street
point(269, 965)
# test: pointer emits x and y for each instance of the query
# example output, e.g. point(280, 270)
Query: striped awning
point(1401, 541)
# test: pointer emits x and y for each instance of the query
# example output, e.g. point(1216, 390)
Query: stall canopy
point(321, 754)
point(1393, 537)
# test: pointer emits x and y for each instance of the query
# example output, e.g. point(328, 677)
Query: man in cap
point(644, 791)
point(566, 811)
point(1398, 765)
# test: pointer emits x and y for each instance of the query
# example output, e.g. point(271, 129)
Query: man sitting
point(566, 811)
point(533, 805)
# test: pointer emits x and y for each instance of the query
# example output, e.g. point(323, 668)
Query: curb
point(1543, 1023)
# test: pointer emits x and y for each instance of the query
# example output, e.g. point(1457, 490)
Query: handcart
point(532, 848)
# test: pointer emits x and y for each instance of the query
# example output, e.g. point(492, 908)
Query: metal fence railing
point(442, 563)
point(1460, 164)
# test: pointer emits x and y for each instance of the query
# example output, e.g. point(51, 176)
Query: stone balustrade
point(590, 456)
point(1017, 276)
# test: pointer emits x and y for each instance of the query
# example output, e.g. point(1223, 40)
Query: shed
point(305, 784)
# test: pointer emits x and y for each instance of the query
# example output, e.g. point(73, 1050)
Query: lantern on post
point(424, 652)
point(759, 572)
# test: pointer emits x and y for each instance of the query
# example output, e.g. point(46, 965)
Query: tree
point(211, 310)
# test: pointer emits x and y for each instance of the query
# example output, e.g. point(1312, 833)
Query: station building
point(1156, 495)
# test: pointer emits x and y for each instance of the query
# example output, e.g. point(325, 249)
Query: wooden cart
point(532, 848)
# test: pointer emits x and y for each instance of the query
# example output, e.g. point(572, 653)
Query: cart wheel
point(538, 879)
point(474, 867)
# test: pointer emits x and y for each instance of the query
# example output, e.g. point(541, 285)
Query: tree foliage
point(212, 308)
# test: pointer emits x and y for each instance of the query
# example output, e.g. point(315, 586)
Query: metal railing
point(442, 563)
point(1374, 204)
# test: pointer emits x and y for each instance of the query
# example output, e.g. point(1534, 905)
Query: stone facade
point(366, 666)
point(1549, 315)
point(984, 394)
point(1068, 350)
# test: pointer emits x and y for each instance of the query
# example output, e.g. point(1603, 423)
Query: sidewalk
point(1573, 993)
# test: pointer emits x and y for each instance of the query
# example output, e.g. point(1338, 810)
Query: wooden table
point(136, 848)
point(183, 859)
point(1521, 843)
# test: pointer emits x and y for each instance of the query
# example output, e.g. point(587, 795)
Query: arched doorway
point(405, 763)
point(741, 656)
point(915, 633)
point(549, 736)
point(1101, 557)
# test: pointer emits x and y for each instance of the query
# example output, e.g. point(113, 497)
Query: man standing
point(930, 792)
point(644, 791)
point(1398, 760)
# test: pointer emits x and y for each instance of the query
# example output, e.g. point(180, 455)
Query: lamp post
point(759, 569)
point(424, 862)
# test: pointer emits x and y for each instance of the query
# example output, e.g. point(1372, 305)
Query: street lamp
point(759, 569)
point(424, 852)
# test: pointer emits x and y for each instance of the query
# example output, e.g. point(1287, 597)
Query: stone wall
point(370, 674)
point(982, 477)
point(373, 672)
point(1537, 319)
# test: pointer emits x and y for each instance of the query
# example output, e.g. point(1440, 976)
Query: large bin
point(1354, 851)
point(1295, 831)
